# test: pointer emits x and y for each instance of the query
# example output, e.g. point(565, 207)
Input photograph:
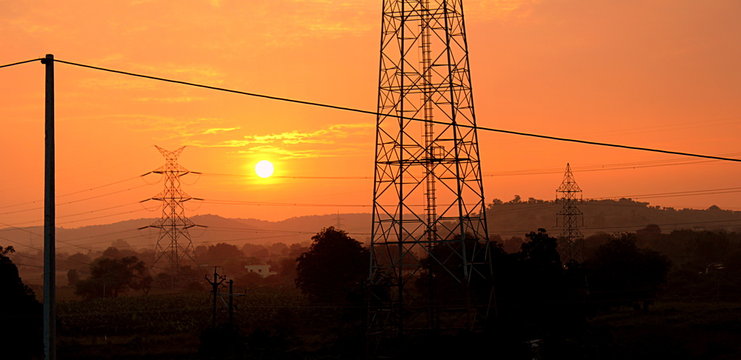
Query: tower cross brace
point(569, 195)
point(429, 218)
point(174, 240)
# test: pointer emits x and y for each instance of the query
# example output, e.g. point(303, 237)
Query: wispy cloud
point(335, 140)
point(219, 130)
point(188, 72)
point(170, 100)
point(29, 27)
point(282, 152)
point(165, 127)
point(485, 10)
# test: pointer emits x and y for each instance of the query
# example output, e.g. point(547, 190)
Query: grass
point(676, 330)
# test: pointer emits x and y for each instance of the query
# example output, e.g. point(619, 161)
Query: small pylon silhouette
point(570, 216)
point(174, 240)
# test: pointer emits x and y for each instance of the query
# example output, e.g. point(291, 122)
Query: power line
point(295, 204)
point(72, 193)
point(677, 193)
point(236, 229)
point(37, 234)
point(369, 112)
point(96, 210)
point(75, 201)
point(302, 177)
point(67, 242)
point(546, 171)
point(103, 216)
point(626, 227)
point(107, 234)
point(18, 243)
point(103, 195)
point(260, 203)
point(37, 249)
point(605, 167)
point(34, 224)
point(242, 238)
point(20, 62)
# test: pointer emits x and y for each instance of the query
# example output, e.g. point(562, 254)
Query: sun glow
point(264, 169)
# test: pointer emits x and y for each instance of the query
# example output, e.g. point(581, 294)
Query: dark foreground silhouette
point(644, 295)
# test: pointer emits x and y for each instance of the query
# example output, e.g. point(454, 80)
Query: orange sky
point(652, 73)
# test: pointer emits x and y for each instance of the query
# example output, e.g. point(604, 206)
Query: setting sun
point(264, 169)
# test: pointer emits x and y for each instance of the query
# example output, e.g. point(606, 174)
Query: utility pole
point(50, 352)
point(231, 302)
point(218, 279)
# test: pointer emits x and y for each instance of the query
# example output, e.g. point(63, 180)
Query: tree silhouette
point(620, 273)
point(20, 332)
point(442, 280)
point(110, 277)
point(333, 268)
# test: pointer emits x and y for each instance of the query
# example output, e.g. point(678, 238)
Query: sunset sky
point(656, 73)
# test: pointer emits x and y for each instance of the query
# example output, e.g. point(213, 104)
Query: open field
point(170, 326)
point(670, 330)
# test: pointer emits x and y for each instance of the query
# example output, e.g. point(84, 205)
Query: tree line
point(542, 301)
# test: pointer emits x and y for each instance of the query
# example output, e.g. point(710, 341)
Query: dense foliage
point(111, 276)
point(334, 267)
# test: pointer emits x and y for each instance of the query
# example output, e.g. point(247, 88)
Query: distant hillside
point(218, 229)
point(507, 219)
point(515, 218)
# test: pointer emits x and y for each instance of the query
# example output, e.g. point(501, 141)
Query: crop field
point(163, 326)
point(676, 330)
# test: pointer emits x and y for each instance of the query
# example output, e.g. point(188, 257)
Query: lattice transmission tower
point(174, 240)
point(428, 195)
point(569, 195)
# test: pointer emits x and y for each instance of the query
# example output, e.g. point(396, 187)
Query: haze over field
point(511, 219)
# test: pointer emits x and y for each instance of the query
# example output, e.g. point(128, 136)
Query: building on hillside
point(262, 270)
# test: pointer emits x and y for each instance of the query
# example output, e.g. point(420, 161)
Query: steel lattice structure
point(570, 215)
point(174, 240)
point(428, 192)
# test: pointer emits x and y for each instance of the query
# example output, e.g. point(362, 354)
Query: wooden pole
point(231, 302)
point(49, 218)
point(215, 285)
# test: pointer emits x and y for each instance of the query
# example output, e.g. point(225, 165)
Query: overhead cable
point(369, 112)
point(20, 62)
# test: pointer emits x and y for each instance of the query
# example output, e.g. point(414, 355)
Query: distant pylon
point(428, 195)
point(174, 240)
point(570, 216)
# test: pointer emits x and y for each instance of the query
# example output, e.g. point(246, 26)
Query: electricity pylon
point(174, 240)
point(570, 215)
point(428, 195)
